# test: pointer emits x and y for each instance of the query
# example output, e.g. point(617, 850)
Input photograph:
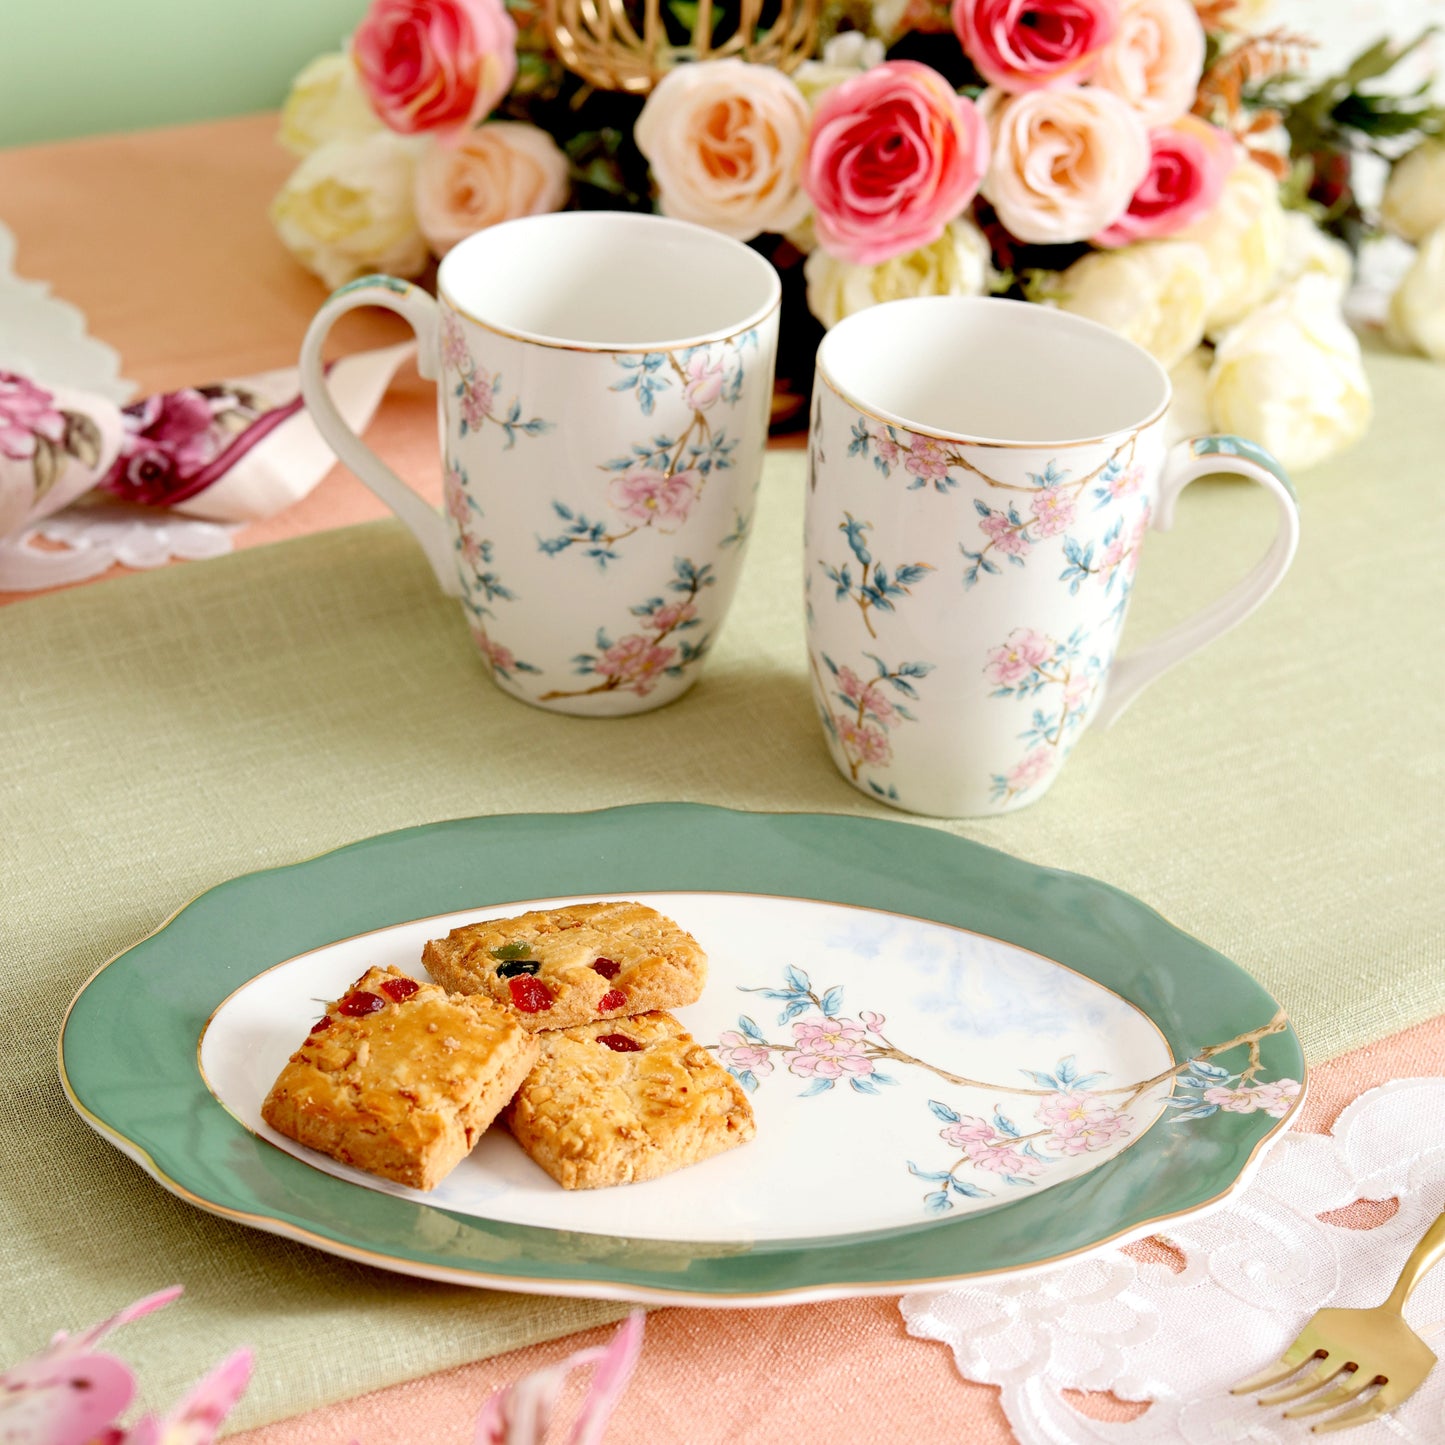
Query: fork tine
point(1282, 1369)
point(1342, 1394)
point(1356, 1415)
point(1327, 1369)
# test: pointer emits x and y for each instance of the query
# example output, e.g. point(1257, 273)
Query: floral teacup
point(605, 384)
point(983, 475)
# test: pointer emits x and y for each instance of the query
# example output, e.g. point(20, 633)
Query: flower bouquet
point(1156, 165)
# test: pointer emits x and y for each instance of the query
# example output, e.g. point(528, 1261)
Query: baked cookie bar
point(400, 1079)
point(615, 1102)
point(567, 966)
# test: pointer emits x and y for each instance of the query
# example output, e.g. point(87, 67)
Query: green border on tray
point(128, 1044)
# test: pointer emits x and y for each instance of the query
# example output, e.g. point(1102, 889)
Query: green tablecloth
point(1280, 797)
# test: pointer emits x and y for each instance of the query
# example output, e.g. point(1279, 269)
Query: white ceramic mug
point(605, 384)
point(983, 474)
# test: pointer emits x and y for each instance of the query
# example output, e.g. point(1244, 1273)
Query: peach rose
point(1188, 164)
point(499, 171)
point(1066, 163)
point(1155, 59)
point(435, 65)
point(1022, 45)
point(894, 156)
point(725, 140)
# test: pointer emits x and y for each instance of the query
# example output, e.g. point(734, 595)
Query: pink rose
point(1065, 162)
point(647, 495)
point(435, 65)
point(893, 157)
point(1155, 58)
point(1188, 164)
point(1034, 44)
point(26, 412)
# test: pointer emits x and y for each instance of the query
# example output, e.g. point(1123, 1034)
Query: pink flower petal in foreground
point(520, 1414)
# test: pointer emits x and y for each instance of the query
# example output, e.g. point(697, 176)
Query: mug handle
point(1188, 460)
point(422, 314)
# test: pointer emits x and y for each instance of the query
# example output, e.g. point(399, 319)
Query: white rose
point(326, 103)
point(726, 142)
point(347, 210)
point(1417, 309)
point(1243, 237)
point(1065, 163)
point(1188, 414)
point(1414, 201)
point(957, 264)
point(1308, 251)
point(498, 172)
point(1156, 293)
point(1290, 377)
point(1155, 58)
point(844, 56)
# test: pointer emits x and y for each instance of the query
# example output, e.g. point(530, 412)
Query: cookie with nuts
point(619, 1101)
point(558, 967)
point(399, 1078)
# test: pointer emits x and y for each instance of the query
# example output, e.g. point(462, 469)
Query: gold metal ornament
point(599, 41)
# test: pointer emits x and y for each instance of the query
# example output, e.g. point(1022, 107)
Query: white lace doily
point(1252, 1274)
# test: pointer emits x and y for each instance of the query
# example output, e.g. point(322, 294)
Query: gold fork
point(1366, 1346)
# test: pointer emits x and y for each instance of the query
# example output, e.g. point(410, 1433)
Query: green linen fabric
point(1280, 797)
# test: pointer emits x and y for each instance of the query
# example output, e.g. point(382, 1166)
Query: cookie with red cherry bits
point(619, 1101)
point(399, 1078)
point(564, 966)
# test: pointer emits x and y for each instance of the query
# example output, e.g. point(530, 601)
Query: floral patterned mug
point(982, 477)
point(605, 385)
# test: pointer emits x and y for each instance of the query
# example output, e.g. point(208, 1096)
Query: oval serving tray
point(961, 1064)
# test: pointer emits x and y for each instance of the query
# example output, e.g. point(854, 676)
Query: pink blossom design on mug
point(648, 496)
point(499, 659)
point(638, 661)
point(1032, 665)
point(869, 710)
point(656, 485)
point(481, 584)
point(476, 390)
point(1060, 1114)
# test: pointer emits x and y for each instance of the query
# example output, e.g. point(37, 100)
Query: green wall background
point(80, 67)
